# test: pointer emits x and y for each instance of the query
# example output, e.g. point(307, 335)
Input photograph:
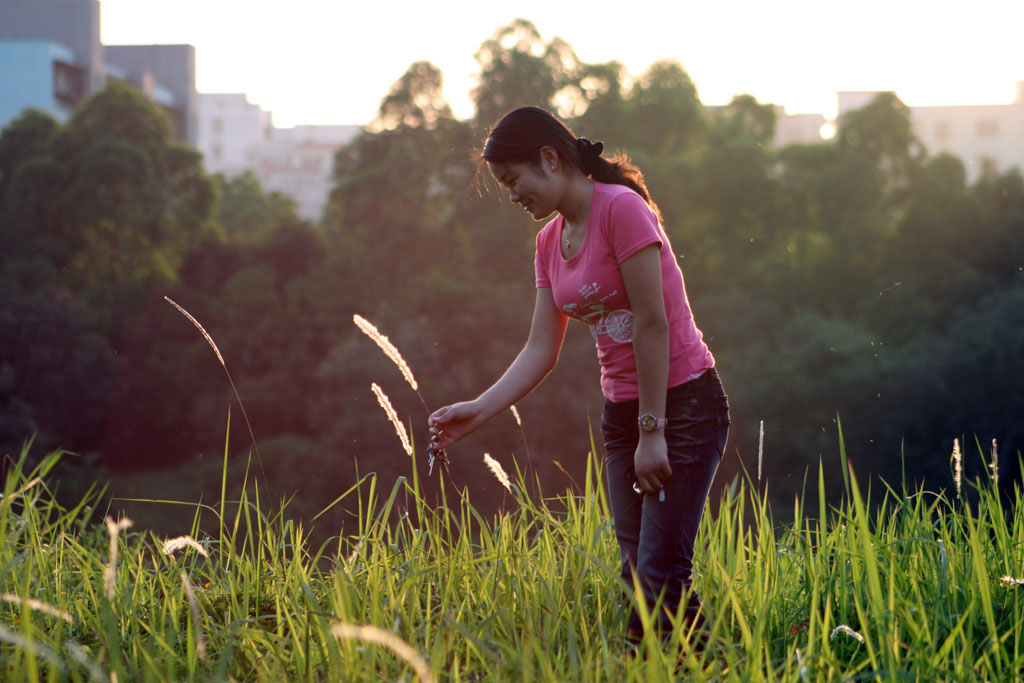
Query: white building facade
point(230, 129)
point(797, 128)
point(985, 137)
point(299, 162)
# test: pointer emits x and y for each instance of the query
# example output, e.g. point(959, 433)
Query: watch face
point(648, 423)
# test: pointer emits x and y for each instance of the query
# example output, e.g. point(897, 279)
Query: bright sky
point(332, 61)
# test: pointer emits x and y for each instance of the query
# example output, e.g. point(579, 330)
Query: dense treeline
point(861, 277)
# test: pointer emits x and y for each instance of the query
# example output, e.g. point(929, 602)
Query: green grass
point(529, 594)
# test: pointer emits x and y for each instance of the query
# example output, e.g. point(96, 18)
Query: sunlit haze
point(324, 62)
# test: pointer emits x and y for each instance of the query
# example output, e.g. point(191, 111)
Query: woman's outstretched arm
point(531, 366)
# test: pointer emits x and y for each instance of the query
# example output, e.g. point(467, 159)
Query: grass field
point(891, 585)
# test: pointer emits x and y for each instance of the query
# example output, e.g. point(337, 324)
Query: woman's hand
point(650, 463)
point(451, 423)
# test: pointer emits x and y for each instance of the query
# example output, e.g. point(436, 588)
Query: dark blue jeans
point(657, 538)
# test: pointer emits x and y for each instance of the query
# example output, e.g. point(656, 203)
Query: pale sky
point(332, 61)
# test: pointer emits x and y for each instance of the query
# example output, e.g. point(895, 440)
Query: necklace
point(565, 226)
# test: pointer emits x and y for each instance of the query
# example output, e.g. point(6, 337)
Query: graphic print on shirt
point(617, 324)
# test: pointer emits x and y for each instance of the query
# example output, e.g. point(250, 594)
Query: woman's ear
point(549, 158)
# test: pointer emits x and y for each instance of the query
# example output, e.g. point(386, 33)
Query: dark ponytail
point(519, 135)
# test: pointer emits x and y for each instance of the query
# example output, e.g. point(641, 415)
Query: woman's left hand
point(650, 463)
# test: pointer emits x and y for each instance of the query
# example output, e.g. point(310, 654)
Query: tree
point(415, 100)
point(518, 68)
point(666, 116)
point(25, 137)
point(248, 214)
point(109, 200)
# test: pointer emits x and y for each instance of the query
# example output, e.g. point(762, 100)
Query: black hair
point(520, 134)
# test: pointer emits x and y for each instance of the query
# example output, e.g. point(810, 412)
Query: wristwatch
point(649, 423)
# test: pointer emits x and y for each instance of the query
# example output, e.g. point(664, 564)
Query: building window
point(987, 165)
point(988, 128)
point(218, 126)
point(216, 153)
point(942, 131)
point(69, 83)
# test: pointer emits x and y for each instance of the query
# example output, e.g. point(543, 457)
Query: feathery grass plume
point(109, 574)
point(387, 347)
point(31, 646)
point(37, 605)
point(173, 545)
point(24, 488)
point(209, 340)
point(385, 403)
point(958, 469)
point(355, 552)
point(846, 630)
point(496, 469)
point(994, 465)
point(760, 450)
point(800, 663)
point(515, 414)
point(82, 657)
point(206, 335)
point(194, 608)
point(1011, 581)
point(372, 634)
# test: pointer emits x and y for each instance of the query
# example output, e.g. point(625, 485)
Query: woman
point(605, 260)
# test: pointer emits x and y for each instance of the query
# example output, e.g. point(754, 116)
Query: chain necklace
point(565, 226)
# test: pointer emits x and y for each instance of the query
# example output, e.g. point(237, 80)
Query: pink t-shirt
point(589, 287)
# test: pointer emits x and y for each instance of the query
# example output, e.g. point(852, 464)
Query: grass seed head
point(81, 656)
point(847, 631)
point(760, 449)
point(173, 545)
point(206, 335)
point(372, 634)
point(31, 646)
point(496, 469)
point(387, 347)
point(385, 403)
point(994, 465)
point(958, 466)
point(37, 605)
point(110, 573)
point(193, 606)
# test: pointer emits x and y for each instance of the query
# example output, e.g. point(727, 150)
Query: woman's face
point(532, 186)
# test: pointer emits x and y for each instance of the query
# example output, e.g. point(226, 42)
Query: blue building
point(41, 75)
point(51, 58)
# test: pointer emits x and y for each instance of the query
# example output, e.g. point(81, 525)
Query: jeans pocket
point(619, 429)
point(688, 435)
point(722, 419)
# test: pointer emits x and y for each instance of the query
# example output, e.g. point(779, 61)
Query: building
point(41, 75)
point(986, 137)
point(797, 128)
point(230, 129)
point(51, 58)
point(236, 136)
point(167, 74)
point(789, 128)
point(299, 162)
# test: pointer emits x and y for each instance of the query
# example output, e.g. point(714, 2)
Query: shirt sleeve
point(538, 263)
point(633, 226)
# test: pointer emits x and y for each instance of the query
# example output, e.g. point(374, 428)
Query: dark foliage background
point(860, 277)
